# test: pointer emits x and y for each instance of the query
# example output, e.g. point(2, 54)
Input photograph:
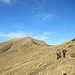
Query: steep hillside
point(28, 56)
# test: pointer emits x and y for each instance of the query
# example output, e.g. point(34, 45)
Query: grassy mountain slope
point(28, 56)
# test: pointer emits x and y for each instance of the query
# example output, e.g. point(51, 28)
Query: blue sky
point(52, 21)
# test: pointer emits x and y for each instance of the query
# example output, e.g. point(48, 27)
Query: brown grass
point(25, 57)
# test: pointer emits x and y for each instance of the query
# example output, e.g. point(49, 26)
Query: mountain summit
point(20, 43)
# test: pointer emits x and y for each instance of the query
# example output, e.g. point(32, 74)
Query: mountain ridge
point(18, 42)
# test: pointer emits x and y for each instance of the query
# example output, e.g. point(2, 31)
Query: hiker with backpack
point(64, 53)
point(58, 53)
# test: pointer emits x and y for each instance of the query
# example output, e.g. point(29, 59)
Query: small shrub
point(67, 43)
point(73, 39)
point(70, 46)
point(72, 54)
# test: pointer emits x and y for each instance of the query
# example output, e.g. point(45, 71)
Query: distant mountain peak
point(27, 37)
point(36, 42)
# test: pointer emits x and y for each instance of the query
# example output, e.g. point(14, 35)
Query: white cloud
point(47, 17)
point(47, 33)
point(41, 37)
point(44, 36)
point(12, 35)
point(6, 1)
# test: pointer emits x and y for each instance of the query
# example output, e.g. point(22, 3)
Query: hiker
point(58, 53)
point(64, 53)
